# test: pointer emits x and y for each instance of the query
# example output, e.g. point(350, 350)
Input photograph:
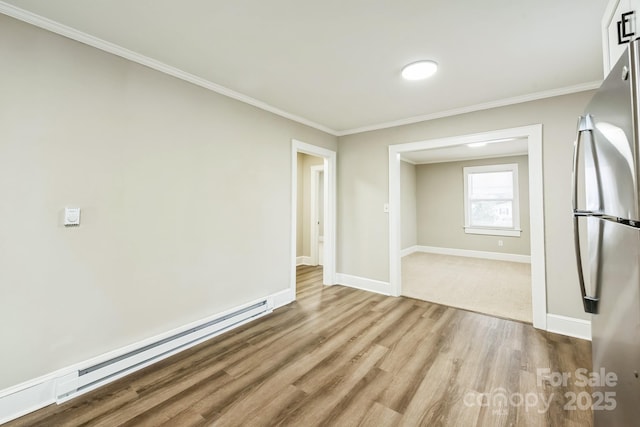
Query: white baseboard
point(408, 251)
point(303, 260)
point(27, 397)
point(37, 393)
point(283, 298)
point(363, 283)
point(499, 256)
point(569, 326)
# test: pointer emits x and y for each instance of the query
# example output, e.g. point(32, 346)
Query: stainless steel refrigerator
point(606, 215)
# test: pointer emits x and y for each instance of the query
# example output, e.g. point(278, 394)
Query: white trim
point(462, 159)
point(499, 256)
point(607, 17)
point(536, 228)
point(533, 133)
point(37, 393)
point(363, 283)
point(313, 213)
point(411, 162)
point(303, 260)
point(31, 396)
point(477, 107)
point(330, 176)
point(282, 298)
point(408, 251)
point(569, 326)
point(74, 34)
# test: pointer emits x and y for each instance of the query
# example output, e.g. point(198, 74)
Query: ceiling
point(335, 64)
point(501, 148)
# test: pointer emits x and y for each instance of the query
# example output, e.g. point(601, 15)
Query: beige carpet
point(498, 288)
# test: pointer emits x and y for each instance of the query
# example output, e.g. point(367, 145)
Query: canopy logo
point(500, 399)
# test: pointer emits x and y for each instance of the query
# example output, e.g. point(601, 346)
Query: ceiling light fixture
point(419, 70)
point(476, 144)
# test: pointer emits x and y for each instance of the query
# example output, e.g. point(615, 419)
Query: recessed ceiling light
point(419, 70)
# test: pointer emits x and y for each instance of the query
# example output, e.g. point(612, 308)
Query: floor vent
point(101, 373)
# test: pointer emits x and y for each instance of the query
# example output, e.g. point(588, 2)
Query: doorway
point(316, 215)
point(483, 266)
point(533, 136)
point(322, 211)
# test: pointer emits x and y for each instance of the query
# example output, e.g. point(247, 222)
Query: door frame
point(533, 133)
point(314, 232)
point(329, 183)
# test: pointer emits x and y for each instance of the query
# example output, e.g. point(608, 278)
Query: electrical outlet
point(500, 242)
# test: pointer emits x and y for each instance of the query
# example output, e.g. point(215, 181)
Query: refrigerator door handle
point(585, 124)
point(590, 303)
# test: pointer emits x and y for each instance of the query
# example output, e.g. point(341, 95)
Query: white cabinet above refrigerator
point(619, 27)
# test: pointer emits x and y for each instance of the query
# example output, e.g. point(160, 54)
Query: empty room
point(307, 213)
point(465, 228)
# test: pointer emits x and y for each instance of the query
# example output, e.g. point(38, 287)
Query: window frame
point(513, 231)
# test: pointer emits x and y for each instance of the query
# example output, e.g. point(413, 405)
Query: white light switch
point(71, 216)
point(385, 208)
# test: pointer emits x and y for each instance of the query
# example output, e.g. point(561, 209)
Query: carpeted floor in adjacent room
point(497, 288)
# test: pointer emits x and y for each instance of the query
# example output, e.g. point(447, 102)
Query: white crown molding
point(63, 30)
point(66, 31)
point(477, 107)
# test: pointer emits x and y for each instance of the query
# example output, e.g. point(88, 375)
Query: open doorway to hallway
point(309, 211)
point(308, 281)
point(313, 225)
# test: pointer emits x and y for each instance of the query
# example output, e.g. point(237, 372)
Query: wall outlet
point(500, 242)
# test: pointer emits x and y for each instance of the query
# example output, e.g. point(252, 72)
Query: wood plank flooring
point(344, 357)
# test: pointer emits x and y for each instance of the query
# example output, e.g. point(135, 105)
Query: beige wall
point(408, 210)
point(180, 188)
point(440, 207)
point(363, 183)
point(305, 162)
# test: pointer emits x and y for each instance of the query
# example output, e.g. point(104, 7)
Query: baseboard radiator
point(94, 376)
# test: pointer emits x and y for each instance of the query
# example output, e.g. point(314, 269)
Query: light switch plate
point(71, 216)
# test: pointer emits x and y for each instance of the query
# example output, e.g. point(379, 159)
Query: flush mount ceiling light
point(419, 70)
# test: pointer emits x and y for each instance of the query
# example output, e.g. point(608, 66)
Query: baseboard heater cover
point(92, 377)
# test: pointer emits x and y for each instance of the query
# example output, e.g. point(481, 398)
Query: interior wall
point(440, 207)
point(179, 188)
point(363, 188)
point(408, 205)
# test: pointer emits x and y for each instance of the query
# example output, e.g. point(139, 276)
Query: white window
point(491, 204)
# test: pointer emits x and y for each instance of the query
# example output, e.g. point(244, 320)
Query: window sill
point(493, 231)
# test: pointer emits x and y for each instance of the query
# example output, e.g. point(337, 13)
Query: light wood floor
point(344, 357)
